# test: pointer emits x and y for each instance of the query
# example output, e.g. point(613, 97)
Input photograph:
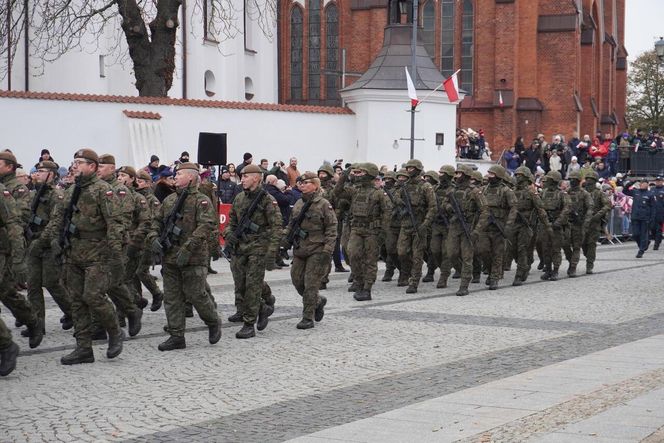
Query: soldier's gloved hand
point(20, 271)
point(133, 251)
point(182, 258)
point(156, 247)
point(56, 249)
point(231, 241)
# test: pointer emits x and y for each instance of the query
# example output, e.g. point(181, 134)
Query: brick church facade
point(559, 65)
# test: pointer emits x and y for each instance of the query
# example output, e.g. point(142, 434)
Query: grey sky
point(644, 24)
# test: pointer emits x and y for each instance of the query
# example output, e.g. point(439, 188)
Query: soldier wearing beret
point(184, 264)
point(43, 271)
point(95, 244)
point(124, 207)
point(311, 254)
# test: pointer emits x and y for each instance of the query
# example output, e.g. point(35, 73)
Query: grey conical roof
point(387, 70)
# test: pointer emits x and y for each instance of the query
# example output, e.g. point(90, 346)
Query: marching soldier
point(183, 223)
point(391, 226)
point(432, 178)
point(325, 174)
point(84, 231)
point(581, 211)
point(601, 206)
point(557, 206)
point(313, 225)
point(440, 225)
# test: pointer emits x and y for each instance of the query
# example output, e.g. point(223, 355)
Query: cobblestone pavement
point(360, 361)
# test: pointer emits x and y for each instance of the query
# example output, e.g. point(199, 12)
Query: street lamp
point(659, 48)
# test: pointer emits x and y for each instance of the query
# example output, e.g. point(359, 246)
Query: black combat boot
point(442, 282)
point(263, 317)
point(517, 281)
point(412, 289)
point(656, 247)
point(571, 271)
point(235, 318)
point(157, 300)
point(488, 281)
point(340, 268)
point(68, 323)
point(8, 359)
point(476, 279)
point(134, 320)
point(589, 268)
point(115, 344)
point(99, 334)
point(173, 343)
point(540, 266)
point(463, 290)
point(305, 324)
point(363, 295)
point(350, 277)
point(428, 278)
point(142, 303)
point(554, 274)
point(493, 285)
point(356, 286)
point(122, 321)
point(388, 275)
point(269, 301)
point(188, 310)
point(36, 334)
point(78, 356)
point(247, 331)
point(323, 286)
point(403, 280)
point(320, 309)
point(214, 333)
point(547, 273)
point(457, 274)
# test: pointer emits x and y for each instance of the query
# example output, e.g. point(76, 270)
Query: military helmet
point(370, 168)
point(498, 170)
point(464, 169)
point(447, 170)
point(477, 176)
point(390, 175)
point(574, 174)
point(523, 170)
point(415, 164)
point(591, 175)
point(433, 175)
point(327, 168)
point(555, 176)
point(402, 172)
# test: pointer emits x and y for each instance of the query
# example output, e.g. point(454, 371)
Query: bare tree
point(149, 27)
point(645, 87)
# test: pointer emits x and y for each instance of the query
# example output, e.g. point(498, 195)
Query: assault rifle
point(245, 225)
point(493, 221)
point(440, 215)
point(296, 233)
point(459, 215)
point(69, 228)
point(395, 207)
point(35, 220)
point(171, 230)
point(525, 222)
point(409, 209)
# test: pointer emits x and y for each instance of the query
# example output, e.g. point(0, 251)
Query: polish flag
point(412, 93)
point(451, 85)
point(500, 99)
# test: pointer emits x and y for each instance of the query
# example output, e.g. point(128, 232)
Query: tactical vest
point(494, 196)
point(552, 201)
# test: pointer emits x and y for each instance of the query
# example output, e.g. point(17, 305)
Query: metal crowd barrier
point(613, 230)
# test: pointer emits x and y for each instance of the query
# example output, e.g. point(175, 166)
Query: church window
point(314, 48)
point(467, 34)
point(447, 37)
point(428, 28)
point(332, 46)
point(296, 54)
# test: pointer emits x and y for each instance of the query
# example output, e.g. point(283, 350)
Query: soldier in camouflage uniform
point(499, 215)
point(530, 210)
point(311, 253)
point(184, 264)
point(367, 209)
point(43, 271)
point(601, 207)
point(142, 275)
point(464, 203)
point(95, 245)
point(251, 251)
point(432, 178)
point(124, 207)
point(391, 226)
point(325, 174)
point(556, 204)
point(581, 211)
point(477, 182)
point(412, 238)
point(440, 225)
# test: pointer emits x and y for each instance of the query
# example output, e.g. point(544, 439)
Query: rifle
point(395, 207)
point(525, 222)
point(440, 216)
point(69, 228)
point(296, 233)
point(459, 215)
point(245, 224)
point(409, 209)
point(170, 228)
point(34, 218)
point(493, 221)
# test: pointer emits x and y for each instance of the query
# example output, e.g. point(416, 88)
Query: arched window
point(314, 49)
point(296, 54)
point(332, 46)
point(447, 38)
point(428, 28)
point(467, 34)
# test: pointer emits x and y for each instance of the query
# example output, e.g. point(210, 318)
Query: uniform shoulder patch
point(274, 203)
point(329, 206)
point(61, 197)
point(156, 203)
point(6, 193)
point(21, 190)
point(205, 203)
point(122, 193)
point(109, 194)
point(143, 202)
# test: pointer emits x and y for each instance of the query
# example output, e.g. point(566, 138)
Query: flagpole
point(413, 49)
point(437, 88)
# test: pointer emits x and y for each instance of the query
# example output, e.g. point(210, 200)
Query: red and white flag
point(451, 85)
point(500, 99)
point(412, 93)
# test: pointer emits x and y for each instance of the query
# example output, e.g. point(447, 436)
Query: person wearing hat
point(316, 235)
point(643, 216)
point(556, 203)
point(326, 177)
point(156, 170)
point(391, 226)
point(43, 271)
point(247, 158)
point(94, 246)
point(601, 207)
point(440, 226)
point(142, 274)
point(252, 249)
point(581, 211)
point(228, 189)
point(184, 263)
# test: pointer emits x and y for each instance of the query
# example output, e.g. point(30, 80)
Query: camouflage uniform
point(412, 239)
point(143, 274)
point(556, 204)
point(311, 255)
point(581, 210)
point(440, 225)
point(601, 207)
point(326, 190)
point(530, 210)
point(184, 264)
point(499, 215)
point(391, 227)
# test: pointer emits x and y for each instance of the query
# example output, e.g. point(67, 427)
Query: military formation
point(92, 244)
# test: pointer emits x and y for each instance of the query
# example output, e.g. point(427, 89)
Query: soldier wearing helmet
point(367, 209)
point(415, 224)
point(440, 226)
point(557, 206)
point(464, 204)
point(326, 177)
point(530, 211)
point(391, 225)
point(498, 221)
point(601, 206)
point(579, 218)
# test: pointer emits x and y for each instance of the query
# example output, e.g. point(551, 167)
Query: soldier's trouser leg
point(144, 275)
point(574, 246)
point(460, 249)
point(405, 251)
point(436, 246)
point(16, 303)
point(545, 250)
point(5, 335)
point(131, 268)
point(44, 273)
point(523, 251)
point(248, 276)
point(392, 260)
point(590, 247)
point(439, 251)
point(418, 246)
point(266, 293)
point(306, 276)
point(364, 258)
point(88, 285)
point(118, 291)
point(491, 247)
point(328, 269)
point(556, 247)
point(345, 236)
